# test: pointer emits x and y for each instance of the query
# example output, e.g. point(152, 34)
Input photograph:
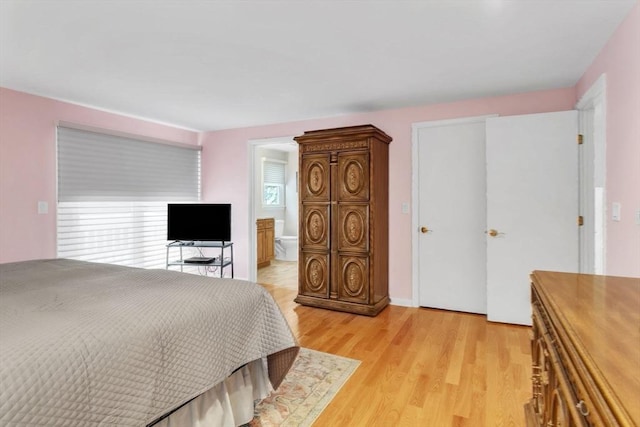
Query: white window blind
point(113, 193)
point(273, 181)
point(102, 167)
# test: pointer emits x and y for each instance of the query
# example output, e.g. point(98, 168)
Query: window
point(273, 180)
point(113, 193)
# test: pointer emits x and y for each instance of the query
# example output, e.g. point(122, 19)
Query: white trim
point(592, 118)
point(253, 246)
point(121, 134)
point(269, 159)
point(595, 92)
point(401, 302)
point(107, 110)
point(415, 194)
point(451, 122)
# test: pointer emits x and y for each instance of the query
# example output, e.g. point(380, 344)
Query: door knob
point(425, 230)
point(493, 233)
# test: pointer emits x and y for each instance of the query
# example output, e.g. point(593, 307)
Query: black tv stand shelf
point(220, 262)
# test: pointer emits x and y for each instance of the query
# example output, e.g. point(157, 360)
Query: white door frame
point(415, 194)
point(253, 244)
point(592, 122)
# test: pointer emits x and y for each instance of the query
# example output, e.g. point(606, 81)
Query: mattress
point(98, 344)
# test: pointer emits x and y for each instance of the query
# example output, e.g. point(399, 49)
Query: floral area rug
point(309, 386)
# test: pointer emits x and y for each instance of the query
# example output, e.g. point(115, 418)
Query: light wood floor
point(419, 366)
point(281, 273)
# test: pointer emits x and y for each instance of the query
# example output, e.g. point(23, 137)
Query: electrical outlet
point(405, 207)
point(638, 217)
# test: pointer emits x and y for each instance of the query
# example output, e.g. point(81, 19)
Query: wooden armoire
point(344, 219)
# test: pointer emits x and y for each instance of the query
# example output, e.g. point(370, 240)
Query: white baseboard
point(402, 302)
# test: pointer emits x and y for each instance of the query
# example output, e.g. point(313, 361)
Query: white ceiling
point(208, 65)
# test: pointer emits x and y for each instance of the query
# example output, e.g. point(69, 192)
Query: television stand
point(220, 262)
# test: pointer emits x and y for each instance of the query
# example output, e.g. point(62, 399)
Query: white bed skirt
point(229, 404)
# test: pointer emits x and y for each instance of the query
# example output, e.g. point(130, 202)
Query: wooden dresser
point(344, 219)
point(585, 350)
point(266, 241)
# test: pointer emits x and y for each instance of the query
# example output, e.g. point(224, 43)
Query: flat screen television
point(199, 222)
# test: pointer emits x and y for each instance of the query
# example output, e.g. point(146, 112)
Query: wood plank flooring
point(419, 366)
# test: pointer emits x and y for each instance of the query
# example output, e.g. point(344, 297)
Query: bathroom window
point(273, 181)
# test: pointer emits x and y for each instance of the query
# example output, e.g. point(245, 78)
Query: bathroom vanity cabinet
point(266, 241)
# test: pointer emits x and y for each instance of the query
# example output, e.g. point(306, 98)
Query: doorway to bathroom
point(274, 198)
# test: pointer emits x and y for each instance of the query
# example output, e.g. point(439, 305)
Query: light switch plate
point(615, 211)
point(43, 207)
point(405, 207)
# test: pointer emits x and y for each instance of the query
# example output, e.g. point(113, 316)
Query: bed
point(97, 344)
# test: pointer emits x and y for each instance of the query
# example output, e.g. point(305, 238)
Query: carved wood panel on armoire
point(344, 219)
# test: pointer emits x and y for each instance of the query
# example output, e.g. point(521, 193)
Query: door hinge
point(580, 220)
point(580, 139)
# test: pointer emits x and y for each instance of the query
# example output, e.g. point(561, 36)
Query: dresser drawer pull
point(544, 378)
point(582, 407)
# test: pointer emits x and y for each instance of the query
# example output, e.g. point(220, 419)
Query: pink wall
point(620, 60)
point(27, 158)
point(225, 165)
point(28, 166)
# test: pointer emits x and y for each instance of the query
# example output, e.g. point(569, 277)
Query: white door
point(452, 210)
point(532, 203)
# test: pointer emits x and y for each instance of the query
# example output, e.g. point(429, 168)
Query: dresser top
point(601, 315)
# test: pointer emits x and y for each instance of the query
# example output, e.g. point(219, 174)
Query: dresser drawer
point(579, 349)
point(561, 408)
point(587, 400)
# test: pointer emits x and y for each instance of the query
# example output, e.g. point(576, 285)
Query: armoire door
point(352, 227)
point(315, 231)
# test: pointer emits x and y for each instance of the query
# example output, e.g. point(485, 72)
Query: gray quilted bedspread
point(97, 344)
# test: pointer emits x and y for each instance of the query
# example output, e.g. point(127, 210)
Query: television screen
point(199, 222)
